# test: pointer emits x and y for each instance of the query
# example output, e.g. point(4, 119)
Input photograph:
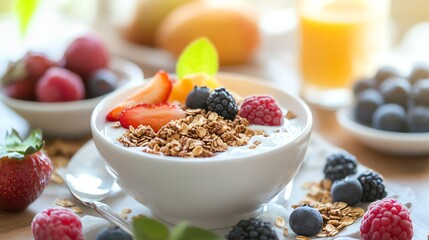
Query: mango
point(184, 86)
point(147, 17)
point(231, 27)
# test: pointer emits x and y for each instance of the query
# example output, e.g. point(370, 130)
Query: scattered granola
point(290, 115)
point(336, 216)
point(77, 210)
point(126, 211)
point(56, 178)
point(280, 222)
point(64, 203)
point(299, 237)
point(199, 134)
point(285, 232)
point(138, 216)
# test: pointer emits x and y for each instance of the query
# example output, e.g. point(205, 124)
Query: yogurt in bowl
point(211, 192)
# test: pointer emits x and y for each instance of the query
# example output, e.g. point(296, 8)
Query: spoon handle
point(111, 216)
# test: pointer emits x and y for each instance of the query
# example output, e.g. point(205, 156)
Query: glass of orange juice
point(341, 41)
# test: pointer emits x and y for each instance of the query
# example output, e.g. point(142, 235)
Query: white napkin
point(311, 170)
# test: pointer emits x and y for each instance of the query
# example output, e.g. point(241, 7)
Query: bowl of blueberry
point(59, 96)
point(390, 112)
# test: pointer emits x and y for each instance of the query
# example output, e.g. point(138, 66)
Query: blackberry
point(252, 229)
point(221, 102)
point(197, 98)
point(372, 186)
point(339, 165)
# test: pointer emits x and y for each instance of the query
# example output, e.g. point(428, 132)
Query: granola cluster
point(199, 134)
point(336, 215)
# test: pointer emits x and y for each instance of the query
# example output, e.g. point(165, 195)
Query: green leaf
point(25, 10)
point(150, 229)
point(200, 56)
point(15, 148)
point(185, 232)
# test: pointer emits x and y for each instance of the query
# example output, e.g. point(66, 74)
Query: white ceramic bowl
point(69, 119)
point(395, 143)
point(207, 192)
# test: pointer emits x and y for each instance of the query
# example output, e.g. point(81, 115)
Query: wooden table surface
point(412, 172)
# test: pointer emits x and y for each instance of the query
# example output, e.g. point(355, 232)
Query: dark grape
point(418, 119)
point(420, 93)
point(396, 90)
point(367, 102)
point(420, 71)
point(101, 82)
point(390, 117)
point(384, 73)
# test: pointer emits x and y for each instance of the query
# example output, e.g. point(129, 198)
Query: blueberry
point(420, 71)
point(366, 104)
point(306, 221)
point(420, 93)
point(418, 119)
point(396, 90)
point(113, 234)
point(384, 73)
point(197, 98)
point(348, 190)
point(101, 82)
point(362, 85)
point(390, 117)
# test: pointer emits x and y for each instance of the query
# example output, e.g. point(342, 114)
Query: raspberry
point(85, 55)
point(57, 224)
point(261, 110)
point(386, 219)
point(339, 165)
point(221, 102)
point(252, 229)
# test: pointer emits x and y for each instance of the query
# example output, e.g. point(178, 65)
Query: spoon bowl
point(89, 182)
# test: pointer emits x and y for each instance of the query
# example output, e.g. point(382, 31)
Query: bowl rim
point(130, 68)
point(306, 129)
point(345, 119)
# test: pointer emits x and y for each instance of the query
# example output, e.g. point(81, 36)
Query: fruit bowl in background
point(209, 192)
point(69, 119)
point(395, 143)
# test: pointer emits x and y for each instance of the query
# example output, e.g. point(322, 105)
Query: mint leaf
point(25, 10)
point(200, 56)
point(185, 232)
point(150, 229)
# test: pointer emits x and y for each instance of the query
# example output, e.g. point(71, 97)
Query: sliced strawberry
point(156, 91)
point(154, 115)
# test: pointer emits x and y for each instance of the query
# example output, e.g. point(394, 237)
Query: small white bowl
point(69, 119)
point(395, 143)
point(213, 192)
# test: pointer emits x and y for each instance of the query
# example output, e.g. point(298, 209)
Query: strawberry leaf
point(200, 56)
point(14, 147)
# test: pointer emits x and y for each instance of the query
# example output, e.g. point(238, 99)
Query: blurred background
point(124, 25)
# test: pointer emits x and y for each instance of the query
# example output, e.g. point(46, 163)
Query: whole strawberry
point(25, 170)
point(21, 77)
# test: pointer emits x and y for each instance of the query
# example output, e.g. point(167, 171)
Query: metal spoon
point(89, 182)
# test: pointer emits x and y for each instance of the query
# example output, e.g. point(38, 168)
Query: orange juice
point(339, 41)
